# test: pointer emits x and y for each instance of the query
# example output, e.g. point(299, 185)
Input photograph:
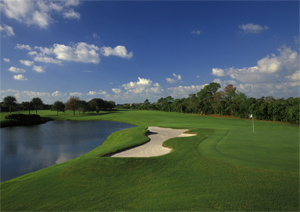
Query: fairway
point(225, 167)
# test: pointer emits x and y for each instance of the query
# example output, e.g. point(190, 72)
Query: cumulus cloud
point(57, 94)
point(39, 69)
point(294, 77)
point(116, 90)
point(16, 70)
point(102, 92)
point(6, 60)
point(80, 52)
point(47, 60)
point(75, 94)
point(7, 29)
point(252, 28)
point(184, 91)
point(26, 62)
point(37, 13)
point(92, 93)
point(196, 32)
point(71, 3)
point(19, 77)
point(175, 79)
point(119, 51)
point(22, 46)
point(267, 70)
point(71, 14)
point(218, 72)
point(142, 86)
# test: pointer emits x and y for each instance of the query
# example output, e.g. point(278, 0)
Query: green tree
point(58, 106)
point(192, 103)
point(96, 104)
point(72, 103)
point(10, 101)
point(146, 105)
point(27, 106)
point(83, 106)
point(206, 96)
point(111, 104)
point(37, 103)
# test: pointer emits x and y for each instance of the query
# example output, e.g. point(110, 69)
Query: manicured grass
point(224, 167)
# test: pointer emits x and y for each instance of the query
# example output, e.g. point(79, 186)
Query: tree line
point(227, 102)
point(74, 103)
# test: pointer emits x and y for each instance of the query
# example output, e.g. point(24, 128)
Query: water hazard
point(30, 148)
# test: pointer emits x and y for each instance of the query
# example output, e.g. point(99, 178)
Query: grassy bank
point(224, 167)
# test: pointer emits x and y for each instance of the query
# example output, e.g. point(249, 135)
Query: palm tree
point(36, 102)
point(10, 101)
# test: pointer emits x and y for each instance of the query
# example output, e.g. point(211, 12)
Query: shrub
point(23, 117)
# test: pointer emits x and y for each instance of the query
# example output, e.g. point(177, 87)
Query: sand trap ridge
point(154, 147)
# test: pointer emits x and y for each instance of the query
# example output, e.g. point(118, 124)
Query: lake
point(29, 148)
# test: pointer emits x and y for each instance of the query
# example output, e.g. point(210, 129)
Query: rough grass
point(224, 167)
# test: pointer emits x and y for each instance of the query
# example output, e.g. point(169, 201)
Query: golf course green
point(225, 167)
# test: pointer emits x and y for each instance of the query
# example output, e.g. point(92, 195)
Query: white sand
point(154, 147)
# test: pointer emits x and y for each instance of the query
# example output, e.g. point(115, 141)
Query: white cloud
point(19, 77)
point(6, 60)
point(80, 52)
point(252, 28)
point(184, 91)
point(72, 3)
point(7, 29)
point(27, 47)
point(102, 92)
point(294, 77)
point(218, 72)
point(198, 32)
point(42, 19)
point(71, 14)
point(16, 70)
point(33, 94)
point(175, 79)
point(268, 69)
point(95, 36)
point(92, 93)
point(39, 69)
point(119, 51)
point(37, 13)
point(87, 71)
point(142, 86)
point(44, 50)
point(26, 62)
point(47, 60)
point(57, 94)
point(116, 90)
point(75, 94)
point(198, 76)
point(32, 53)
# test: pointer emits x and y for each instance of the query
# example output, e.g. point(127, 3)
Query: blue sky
point(129, 51)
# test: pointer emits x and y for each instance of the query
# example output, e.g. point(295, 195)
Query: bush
point(23, 117)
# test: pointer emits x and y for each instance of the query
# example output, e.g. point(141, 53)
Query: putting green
point(276, 150)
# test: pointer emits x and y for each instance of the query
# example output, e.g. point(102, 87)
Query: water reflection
point(28, 149)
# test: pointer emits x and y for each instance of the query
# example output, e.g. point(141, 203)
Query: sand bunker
point(154, 147)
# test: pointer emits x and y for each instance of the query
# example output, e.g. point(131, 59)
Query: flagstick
point(253, 123)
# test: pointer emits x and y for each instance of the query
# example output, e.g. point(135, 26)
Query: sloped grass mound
point(268, 149)
point(185, 179)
